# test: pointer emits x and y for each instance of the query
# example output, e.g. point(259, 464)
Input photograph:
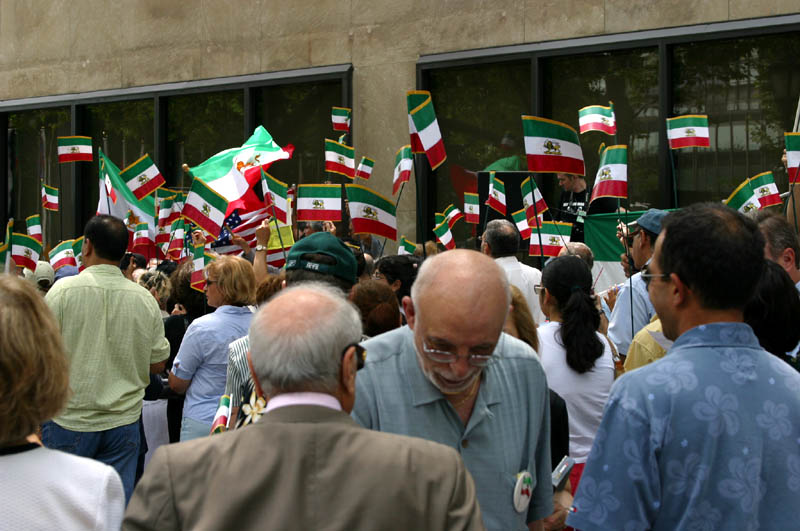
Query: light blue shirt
point(705, 438)
point(203, 358)
point(619, 326)
point(508, 432)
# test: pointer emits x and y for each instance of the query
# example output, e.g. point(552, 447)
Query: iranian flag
point(33, 226)
point(142, 177)
point(472, 209)
point(276, 196)
point(50, 198)
point(199, 261)
point(743, 198)
point(532, 201)
point(25, 250)
point(552, 146)
point(340, 117)
point(497, 194)
point(612, 175)
point(598, 118)
point(205, 208)
point(141, 237)
point(554, 235)
point(74, 148)
point(232, 173)
point(521, 221)
point(370, 212)
point(339, 158)
point(765, 189)
point(452, 214)
point(164, 193)
point(143, 210)
point(63, 255)
point(423, 127)
point(403, 162)
point(168, 212)
point(690, 130)
point(220, 422)
point(364, 170)
point(443, 234)
point(793, 155)
point(406, 246)
point(177, 240)
point(319, 202)
point(77, 250)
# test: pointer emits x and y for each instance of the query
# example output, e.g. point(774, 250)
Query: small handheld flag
point(521, 221)
point(793, 155)
point(690, 130)
point(497, 194)
point(407, 245)
point(403, 162)
point(552, 147)
point(34, 227)
point(142, 177)
point(63, 255)
point(471, 208)
point(74, 149)
point(276, 196)
point(364, 170)
point(424, 128)
point(50, 198)
point(319, 202)
point(205, 208)
point(340, 117)
point(612, 175)
point(555, 235)
point(25, 250)
point(443, 234)
point(598, 118)
point(533, 201)
point(339, 158)
point(452, 214)
point(370, 212)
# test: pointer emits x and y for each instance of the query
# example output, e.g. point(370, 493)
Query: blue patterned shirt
point(508, 432)
point(705, 438)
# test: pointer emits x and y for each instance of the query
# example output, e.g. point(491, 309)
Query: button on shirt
point(203, 358)
point(619, 327)
point(508, 432)
point(706, 437)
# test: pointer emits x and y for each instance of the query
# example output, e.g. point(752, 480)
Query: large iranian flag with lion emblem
point(552, 147)
point(371, 212)
point(554, 236)
point(319, 202)
point(205, 208)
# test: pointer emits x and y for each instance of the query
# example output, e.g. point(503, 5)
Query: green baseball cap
point(329, 245)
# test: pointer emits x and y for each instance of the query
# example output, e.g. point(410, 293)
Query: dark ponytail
point(569, 280)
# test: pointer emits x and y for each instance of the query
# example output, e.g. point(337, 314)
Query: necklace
point(469, 395)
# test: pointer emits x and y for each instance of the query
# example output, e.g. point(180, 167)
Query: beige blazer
point(309, 468)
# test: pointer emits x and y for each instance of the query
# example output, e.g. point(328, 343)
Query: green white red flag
point(743, 198)
point(25, 250)
point(472, 209)
point(497, 194)
point(50, 198)
point(612, 175)
point(452, 214)
point(319, 202)
point(765, 189)
point(521, 221)
point(340, 117)
point(792, 155)
point(200, 258)
point(177, 241)
point(406, 246)
point(403, 162)
point(339, 158)
point(205, 208)
point(552, 147)
point(532, 201)
point(143, 210)
point(220, 422)
point(232, 173)
point(598, 118)
point(63, 255)
point(33, 226)
point(690, 130)
point(554, 235)
point(276, 196)
point(370, 212)
point(142, 177)
point(74, 148)
point(424, 128)
point(168, 212)
point(142, 239)
point(77, 250)
point(364, 170)
point(443, 234)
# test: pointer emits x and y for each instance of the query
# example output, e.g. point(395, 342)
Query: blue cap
point(650, 220)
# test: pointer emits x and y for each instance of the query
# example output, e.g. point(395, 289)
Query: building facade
point(184, 80)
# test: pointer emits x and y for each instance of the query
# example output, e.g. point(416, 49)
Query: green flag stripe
point(596, 109)
point(541, 127)
point(615, 155)
point(341, 149)
point(360, 194)
point(209, 195)
point(319, 190)
point(687, 121)
point(74, 141)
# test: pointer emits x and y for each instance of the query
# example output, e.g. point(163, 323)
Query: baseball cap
point(329, 245)
point(44, 274)
point(649, 221)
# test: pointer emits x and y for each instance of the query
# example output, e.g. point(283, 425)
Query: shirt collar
point(303, 399)
point(227, 308)
point(739, 334)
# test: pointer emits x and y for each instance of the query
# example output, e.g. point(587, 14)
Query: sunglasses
point(647, 276)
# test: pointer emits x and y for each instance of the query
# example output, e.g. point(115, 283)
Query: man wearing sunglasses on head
point(453, 377)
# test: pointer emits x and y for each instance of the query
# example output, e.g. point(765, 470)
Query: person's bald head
point(579, 249)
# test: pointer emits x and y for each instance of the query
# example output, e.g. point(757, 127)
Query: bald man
point(453, 377)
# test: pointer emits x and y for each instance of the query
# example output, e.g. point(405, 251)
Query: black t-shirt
point(574, 206)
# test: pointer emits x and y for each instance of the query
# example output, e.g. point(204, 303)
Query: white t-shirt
point(42, 488)
point(525, 278)
point(585, 394)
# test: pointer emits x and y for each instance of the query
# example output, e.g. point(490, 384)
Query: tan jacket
point(305, 467)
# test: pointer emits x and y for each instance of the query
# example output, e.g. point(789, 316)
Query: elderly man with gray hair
point(453, 377)
point(305, 464)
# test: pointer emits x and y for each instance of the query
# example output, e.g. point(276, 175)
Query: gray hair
point(502, 238)
point(297, 346)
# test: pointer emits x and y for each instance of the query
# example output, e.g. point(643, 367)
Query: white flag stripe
point(384, 217)
point(680, 132)
point(306, 203)
point(619, 172)
point(338, 119)
point(429, 136)
point(595, 118)
point(470, 208)
point(534, 145)
point(69, 150)
point(51, 198)
point(332, 156)
point(793, 159)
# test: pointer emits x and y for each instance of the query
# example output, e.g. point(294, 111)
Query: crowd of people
point(453, 390)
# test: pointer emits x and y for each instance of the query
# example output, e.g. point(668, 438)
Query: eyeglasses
point(209, 282)
point(647, 276)
point(631, 236)
point(444, 356)
point(538, 289)
point(361, 354)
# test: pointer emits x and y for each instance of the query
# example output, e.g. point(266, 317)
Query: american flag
point(243, 225)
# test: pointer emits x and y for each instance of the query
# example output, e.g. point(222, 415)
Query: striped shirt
point(238, 370)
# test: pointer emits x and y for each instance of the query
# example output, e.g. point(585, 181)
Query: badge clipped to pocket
point(523, 491)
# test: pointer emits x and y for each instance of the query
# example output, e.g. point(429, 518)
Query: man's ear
point(348, 373)
point(396, 285)
point(680, 291)
point(408, 308)
point(788, 259)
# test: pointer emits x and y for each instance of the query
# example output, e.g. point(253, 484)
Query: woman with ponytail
point(576, 358)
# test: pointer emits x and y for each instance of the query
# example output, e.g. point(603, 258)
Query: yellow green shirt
point(113, 331)
point(644, 348)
